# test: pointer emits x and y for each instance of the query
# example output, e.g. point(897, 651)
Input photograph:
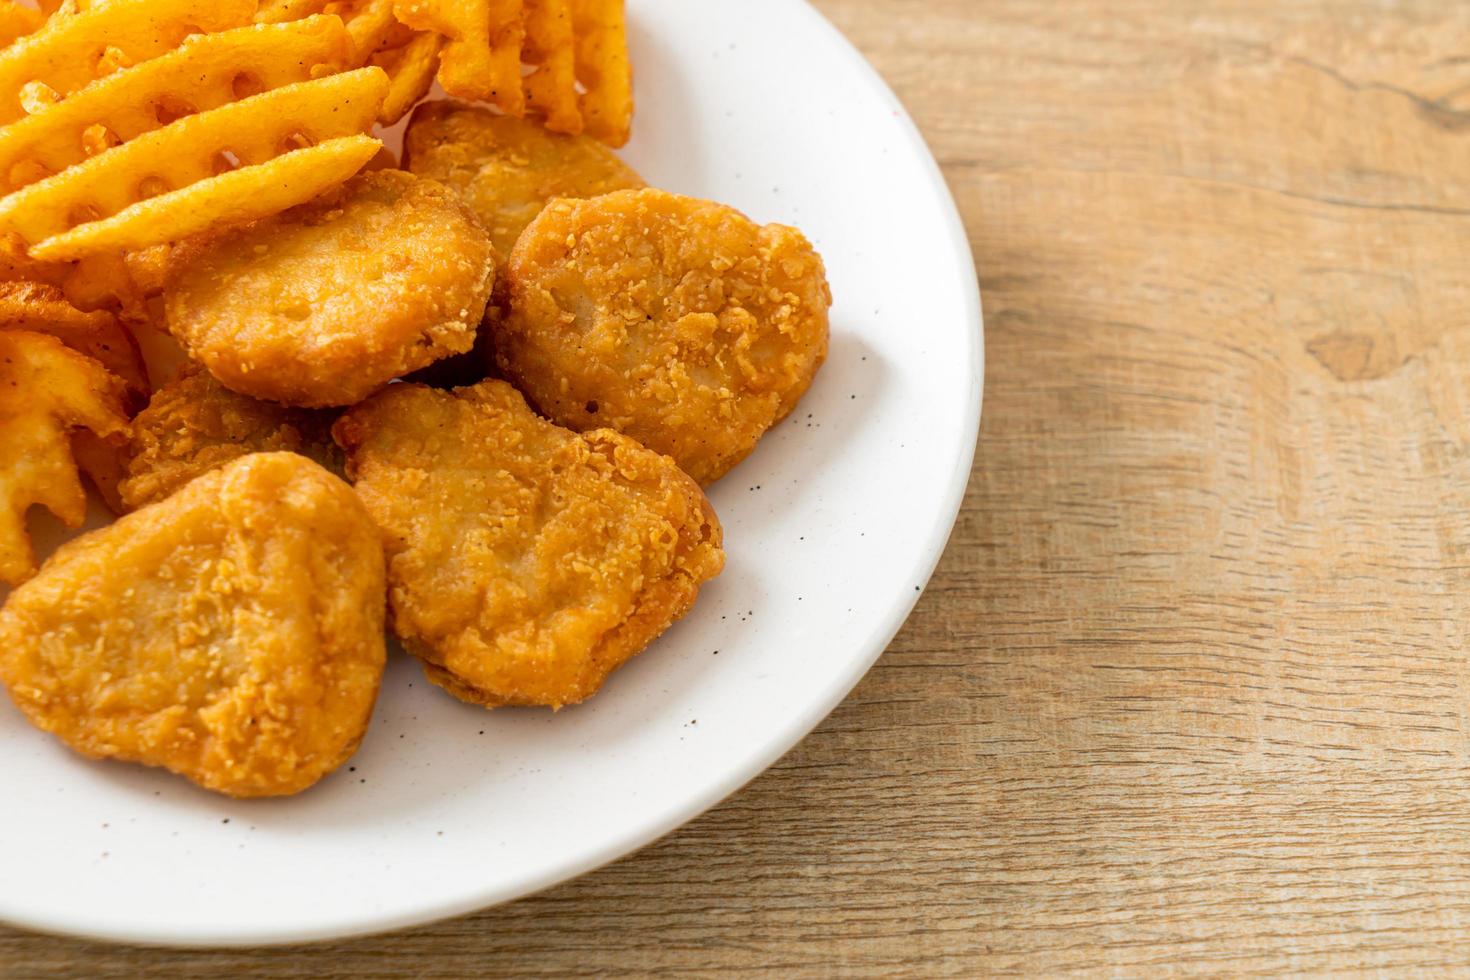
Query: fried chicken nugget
point(195, 424)
point(232, 633)
point(506, 168)
point(676, 321)
point(328, 302)
point(525, 562)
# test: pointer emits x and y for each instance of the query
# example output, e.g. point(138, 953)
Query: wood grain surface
point(1188, 692)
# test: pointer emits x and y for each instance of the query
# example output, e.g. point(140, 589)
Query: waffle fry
point(552, 51)
point(281, 11)
point(46, 392)
point(411, 68)
point(98, 282)
point(369, 22)
point(206, 72)
point(178, 180)
point(17, 266)
point(565, 60)
point(242, 195)
point(71, 52)
point(45, 309)
point(482, 59)
point(603, 69)
point(101, 282)
point(17, 21)
point(148, 268)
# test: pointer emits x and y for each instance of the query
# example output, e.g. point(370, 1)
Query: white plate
point(833, 527)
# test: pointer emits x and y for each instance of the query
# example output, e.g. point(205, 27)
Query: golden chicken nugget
point(505, 168)
point(326, 303)
point(232, 633)
point(47, 393)
point(525, 562)
point(194, 424)
point(676, 321)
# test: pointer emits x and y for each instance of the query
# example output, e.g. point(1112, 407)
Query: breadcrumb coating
point(326, 303)
point(232, 633)
point(676, 321)
point(194, 424)
point(525, 562)
point(505, 168)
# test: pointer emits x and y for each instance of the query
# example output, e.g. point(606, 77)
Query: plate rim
point(777, 743)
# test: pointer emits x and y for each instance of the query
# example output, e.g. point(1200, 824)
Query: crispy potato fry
point(281, 11)
point(195, 148)
point(99, 282)
point(16, 264)
point(551, 49)
point(243, 195)
point(411, 67)
point(148, 268)
point(17, 21)
point(46, 391)
point(39, 308)
point(482, 59)
point(258, 132)
point(232, 633)
point(369, 23)
point(102, 281)
point(206, 72)
point(603, 69)
point(29, 300)
point(70, 53)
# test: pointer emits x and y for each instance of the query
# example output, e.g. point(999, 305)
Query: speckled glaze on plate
point(832, 526)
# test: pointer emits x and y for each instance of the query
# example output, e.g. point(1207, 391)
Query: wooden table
point(1189, 689)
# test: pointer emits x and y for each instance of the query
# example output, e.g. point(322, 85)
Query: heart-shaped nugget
point(232, 632)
